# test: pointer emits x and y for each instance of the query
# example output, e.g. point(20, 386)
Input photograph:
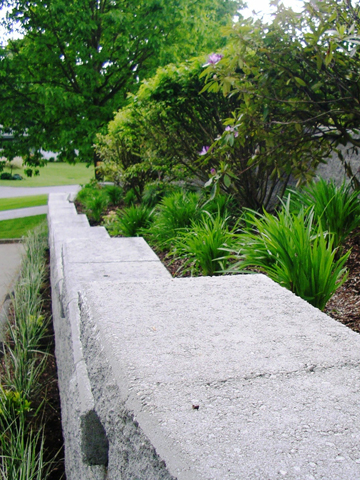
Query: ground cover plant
point(18, 227)
point(22, 202)
point(23, 391)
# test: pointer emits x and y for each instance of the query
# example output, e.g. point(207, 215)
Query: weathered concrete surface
point(276, 381)
point(80, 253)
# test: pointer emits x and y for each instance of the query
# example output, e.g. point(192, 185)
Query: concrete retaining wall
point(275, 383)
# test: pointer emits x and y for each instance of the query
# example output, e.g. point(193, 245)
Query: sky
point(261, 6)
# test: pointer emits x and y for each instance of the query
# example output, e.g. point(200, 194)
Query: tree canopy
point(77, 61)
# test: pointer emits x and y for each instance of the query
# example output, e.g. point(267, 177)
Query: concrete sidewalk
point(11, 192)
point(10, 263)
point(23, 212)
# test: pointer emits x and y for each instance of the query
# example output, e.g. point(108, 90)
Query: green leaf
point(300, 81)
point(227, 180)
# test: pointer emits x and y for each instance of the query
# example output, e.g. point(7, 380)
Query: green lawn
point(22, 202)
point(18, 227)
point(53, 174)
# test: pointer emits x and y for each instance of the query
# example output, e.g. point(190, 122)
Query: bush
point(202, 245)
point(6, 176)
point(293, 252)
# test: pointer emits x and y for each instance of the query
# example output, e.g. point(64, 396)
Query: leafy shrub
point(154, 192)
point(293, 252)
point(175, 212)
point(132, 220)
point(202, 245)
point(6, 176)
point(336, 208)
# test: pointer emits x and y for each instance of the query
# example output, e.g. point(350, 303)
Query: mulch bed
point(344, 306)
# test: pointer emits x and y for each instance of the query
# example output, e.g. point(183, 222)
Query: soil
point(344, 306)
point(54, 443)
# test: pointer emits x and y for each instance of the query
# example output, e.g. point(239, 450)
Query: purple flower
point(213, 171)
point(231, 129)
point(204, 150)
point(214, 58)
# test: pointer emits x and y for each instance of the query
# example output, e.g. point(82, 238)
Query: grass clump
point(175, 212)
point(22, 394)
point(132, 221)
point(202, 245)
point(336, 208)
point(293, 251)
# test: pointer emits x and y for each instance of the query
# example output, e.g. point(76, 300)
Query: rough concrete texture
point(276, 381)
point(75, 259)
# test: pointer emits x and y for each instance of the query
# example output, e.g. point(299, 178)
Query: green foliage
point(293, 252)
point(130, 197)
point(336, 208)
point(158, 135)
point(154, 192)
point(297, 83)
point(95, 200)
point(202, 245)
point(115, 194)
point(12, 404)
point(22, 450)
point(77, 61)
point(132, 221)
point(173, 213)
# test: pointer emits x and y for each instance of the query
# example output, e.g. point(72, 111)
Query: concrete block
point(276, 381)
point(112, 250)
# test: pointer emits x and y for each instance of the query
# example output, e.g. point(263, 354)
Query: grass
point(22, 202)
point(18, 227)
point(53, 174)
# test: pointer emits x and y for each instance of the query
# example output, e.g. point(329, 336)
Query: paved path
point(11, 253)
point(7, 192)
point(12, 192)
point(23, 212)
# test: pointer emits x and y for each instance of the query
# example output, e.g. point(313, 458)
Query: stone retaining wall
point(193, 378)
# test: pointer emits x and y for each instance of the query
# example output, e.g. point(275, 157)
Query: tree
point(61, 82)
point(298, 84)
